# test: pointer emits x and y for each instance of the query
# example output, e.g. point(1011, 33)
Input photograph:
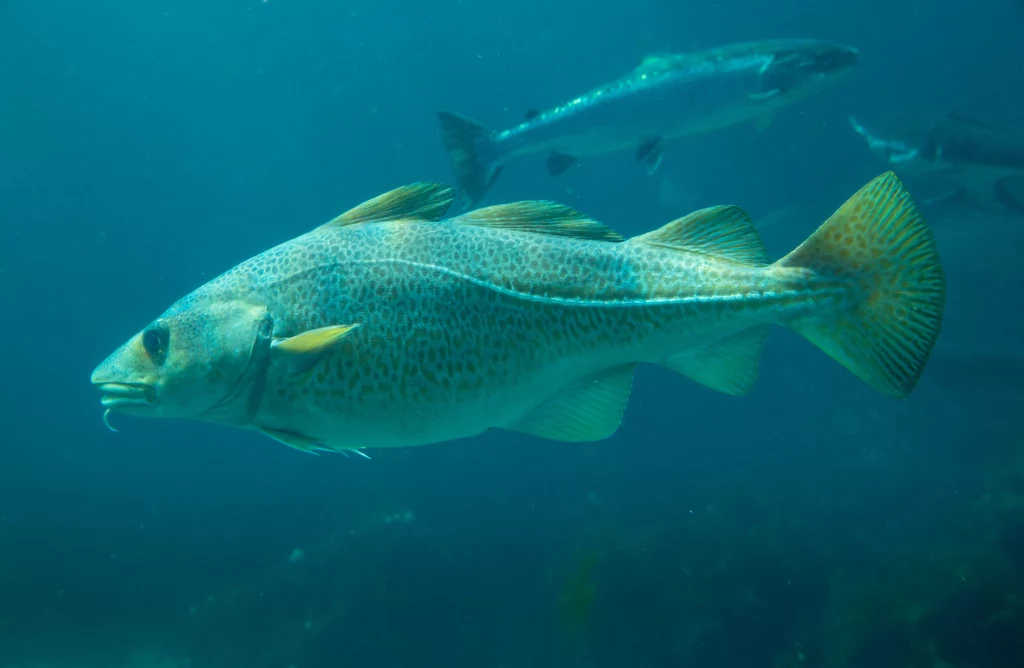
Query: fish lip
point(126, 395)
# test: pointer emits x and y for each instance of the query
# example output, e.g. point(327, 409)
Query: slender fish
point(668, 95)
point(986, 162)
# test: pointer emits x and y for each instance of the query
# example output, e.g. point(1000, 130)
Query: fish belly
point(446, 373)
point(452, 364)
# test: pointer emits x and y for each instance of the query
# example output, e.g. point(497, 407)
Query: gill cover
point(245, 395)
point(203, 358)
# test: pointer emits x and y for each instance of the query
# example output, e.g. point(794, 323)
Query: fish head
point(902, 146)
point(799, 68)
point(202, 359)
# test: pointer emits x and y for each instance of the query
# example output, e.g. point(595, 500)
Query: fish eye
point(154, 341)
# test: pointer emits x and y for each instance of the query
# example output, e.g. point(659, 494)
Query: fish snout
point(120, 390)
point(803, 67)
point(836, 59)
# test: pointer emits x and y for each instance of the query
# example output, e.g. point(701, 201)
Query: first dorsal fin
point(540, 217)
point(656, 60)
point(964, 118)
point(418, 201)
point(723, 231)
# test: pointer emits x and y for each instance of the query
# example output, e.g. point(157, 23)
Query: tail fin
point(469, 146)
point(879, 242)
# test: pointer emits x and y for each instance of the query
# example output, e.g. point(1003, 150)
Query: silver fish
point(668, 95)
point(391, 326)
point(985, 163)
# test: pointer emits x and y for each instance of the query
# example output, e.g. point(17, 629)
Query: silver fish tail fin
point(471, 150)
point(879, 245)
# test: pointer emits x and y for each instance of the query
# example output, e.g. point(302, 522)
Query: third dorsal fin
point(722, 231)
point(540, 217)
point(420, 201)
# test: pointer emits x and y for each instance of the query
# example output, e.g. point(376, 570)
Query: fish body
point(986, 163)
point(390, 326)
point(665, 97)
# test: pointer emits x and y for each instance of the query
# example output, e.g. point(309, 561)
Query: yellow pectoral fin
point(306, 349)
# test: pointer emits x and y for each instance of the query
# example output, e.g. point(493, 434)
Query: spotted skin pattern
point(465, 328)
point(471, 323)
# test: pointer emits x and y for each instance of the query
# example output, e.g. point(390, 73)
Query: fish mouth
point(836, 61)
point(118, 396)
point(805, 68)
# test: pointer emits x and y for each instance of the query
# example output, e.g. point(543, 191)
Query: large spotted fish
point(389, 326)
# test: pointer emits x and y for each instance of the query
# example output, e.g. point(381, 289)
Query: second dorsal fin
point(661, 59)
point(419, 201)
point(540, 217)
point(722, 231)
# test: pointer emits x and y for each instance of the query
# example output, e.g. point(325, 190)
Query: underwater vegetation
point(689, 585)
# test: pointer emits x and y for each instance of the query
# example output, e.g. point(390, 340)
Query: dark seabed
point(147, 146)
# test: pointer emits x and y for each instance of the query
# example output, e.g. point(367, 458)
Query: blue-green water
point(146, 147)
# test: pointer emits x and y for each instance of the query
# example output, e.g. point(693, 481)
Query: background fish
point(984, 163)
point(391, 327)
point(668, 95)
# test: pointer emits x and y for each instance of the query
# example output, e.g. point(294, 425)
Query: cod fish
point(390, 326)
point(668, 95)
point(986, 163)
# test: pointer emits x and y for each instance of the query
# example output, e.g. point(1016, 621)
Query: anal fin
point(588, 410)
point(650, 153)
point(956, 192)
point(981, 188)
point(765, 121)
point(727, 365)
point(559, 162)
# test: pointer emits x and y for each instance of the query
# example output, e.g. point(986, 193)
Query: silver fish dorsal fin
point(723, 231)
point(658, 60)
point(417, 201)
point(540, 217)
